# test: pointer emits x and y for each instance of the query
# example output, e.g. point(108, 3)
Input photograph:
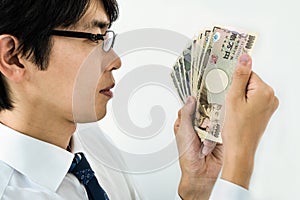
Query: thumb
point(241, 77)
point(187, 111)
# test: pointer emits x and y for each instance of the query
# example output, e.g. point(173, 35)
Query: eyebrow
point(97, 24)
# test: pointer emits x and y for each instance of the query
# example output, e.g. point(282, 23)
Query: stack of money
point(204, 70)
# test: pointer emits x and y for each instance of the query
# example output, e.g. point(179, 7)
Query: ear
point(10, 65)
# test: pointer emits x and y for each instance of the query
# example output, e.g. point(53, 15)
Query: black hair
point(31, 22)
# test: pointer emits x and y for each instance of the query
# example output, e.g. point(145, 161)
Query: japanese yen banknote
point(204, 70)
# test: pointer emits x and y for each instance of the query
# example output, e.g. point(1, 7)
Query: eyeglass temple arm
point(91, 36)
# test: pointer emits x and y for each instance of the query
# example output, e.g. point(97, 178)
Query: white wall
point(276, 60)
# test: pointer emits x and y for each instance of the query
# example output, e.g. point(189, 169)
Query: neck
point(44, 126)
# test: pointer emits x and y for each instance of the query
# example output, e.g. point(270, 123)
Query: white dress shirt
point(33, 169)
point(224, 190)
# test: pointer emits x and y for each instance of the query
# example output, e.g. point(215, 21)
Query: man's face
point(74, 86)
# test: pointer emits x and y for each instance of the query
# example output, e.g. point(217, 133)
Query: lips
point(107, 91)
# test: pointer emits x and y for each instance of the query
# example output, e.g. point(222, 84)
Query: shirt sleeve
point(226, 190)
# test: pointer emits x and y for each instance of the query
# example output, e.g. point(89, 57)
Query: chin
point(89, 117)
point(101, 114)
point(101, 108)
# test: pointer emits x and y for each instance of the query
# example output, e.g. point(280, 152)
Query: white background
point(276, 60)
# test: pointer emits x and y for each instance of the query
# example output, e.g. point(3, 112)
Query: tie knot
point(81, 169)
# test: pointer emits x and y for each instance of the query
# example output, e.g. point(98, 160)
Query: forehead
point(94, 13)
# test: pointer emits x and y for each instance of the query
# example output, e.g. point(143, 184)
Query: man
point(45, 46)
point(39, 69)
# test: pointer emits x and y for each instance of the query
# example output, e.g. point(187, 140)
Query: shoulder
point(5, 175)
point(14, 185)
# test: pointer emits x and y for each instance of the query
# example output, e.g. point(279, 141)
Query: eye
point(95, 41)
point(94, 38)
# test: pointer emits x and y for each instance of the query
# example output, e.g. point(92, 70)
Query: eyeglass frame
point(90, 36)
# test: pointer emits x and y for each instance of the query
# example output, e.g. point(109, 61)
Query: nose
point(115, 64)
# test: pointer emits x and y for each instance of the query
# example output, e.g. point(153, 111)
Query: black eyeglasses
point(108, 37)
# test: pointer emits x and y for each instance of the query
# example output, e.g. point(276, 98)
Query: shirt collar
point(43, 163)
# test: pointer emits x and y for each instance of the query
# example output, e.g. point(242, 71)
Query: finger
point(276, 103)
point(218, 152)
point(176, 125)
point(208, 147)
point(255, 80)
point(177, 122)
point(255, 83)
point(185, 135)
point(201, 155)
point(241, 77)
point(257, 86)
point(187, 112)
point(209, 143)
point(179, 114)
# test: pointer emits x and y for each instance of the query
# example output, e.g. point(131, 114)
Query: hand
point(250, 104)
point(199, 171)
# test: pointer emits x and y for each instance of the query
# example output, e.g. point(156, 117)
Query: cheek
point(76, 71)
point(61, 77)
point(88, 104)
point(64, 68)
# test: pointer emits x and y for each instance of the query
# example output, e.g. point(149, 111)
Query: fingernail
point(205, 150)
point(244, 59)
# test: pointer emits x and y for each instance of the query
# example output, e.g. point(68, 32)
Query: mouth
point(107, 91)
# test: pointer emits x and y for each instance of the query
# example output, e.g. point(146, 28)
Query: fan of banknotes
point(204, 70)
